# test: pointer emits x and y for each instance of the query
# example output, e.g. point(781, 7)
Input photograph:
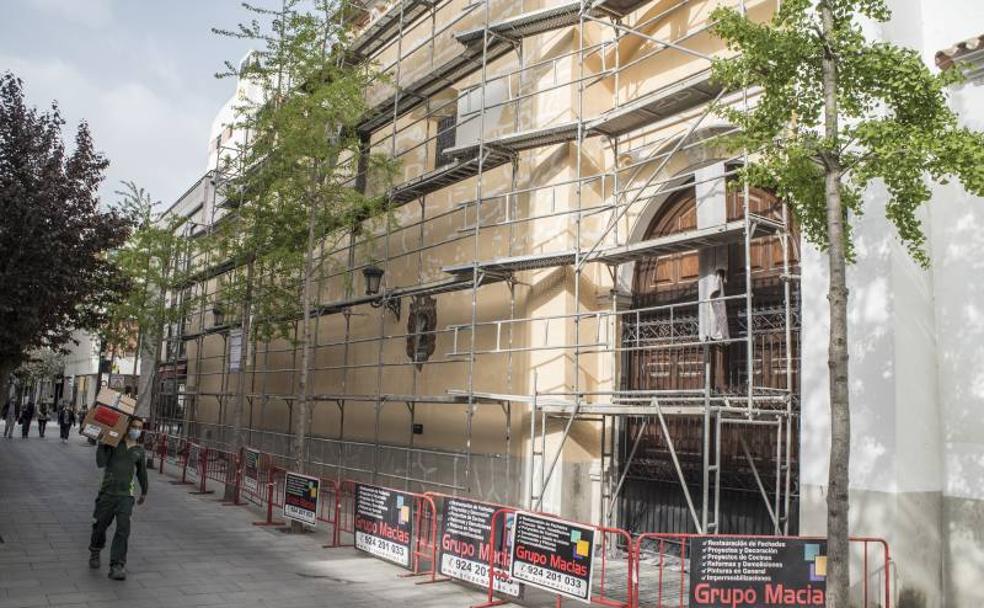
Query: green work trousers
point(109, 507)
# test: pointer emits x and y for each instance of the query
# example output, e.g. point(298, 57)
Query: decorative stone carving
point(421, 323)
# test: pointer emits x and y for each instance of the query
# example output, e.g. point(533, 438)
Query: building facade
point(577, 313)
point(82, 376)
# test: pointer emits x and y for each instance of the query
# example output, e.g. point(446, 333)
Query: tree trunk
point(6, 368)
point(237, 412)
point(303, 410)
point(303, 414)
point(99, 372)
point(838, 573)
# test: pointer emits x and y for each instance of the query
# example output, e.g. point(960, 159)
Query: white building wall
point(917, 378)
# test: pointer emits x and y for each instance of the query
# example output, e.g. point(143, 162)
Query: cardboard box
point(109, 419)
point(117, 401)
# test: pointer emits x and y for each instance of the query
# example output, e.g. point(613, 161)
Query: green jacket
point(120, 463)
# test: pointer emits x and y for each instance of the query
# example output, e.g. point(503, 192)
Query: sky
point(140, 72)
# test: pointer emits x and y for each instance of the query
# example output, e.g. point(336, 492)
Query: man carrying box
point(115, 499)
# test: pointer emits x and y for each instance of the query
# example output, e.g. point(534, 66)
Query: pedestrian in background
point(66, 419)
point(115, 499)
point(42, 419)
point(26, 416)
point(10, 418)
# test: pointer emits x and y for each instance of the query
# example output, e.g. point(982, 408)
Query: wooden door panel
point(672, 279)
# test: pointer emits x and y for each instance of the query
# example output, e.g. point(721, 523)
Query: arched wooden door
point(667, 355)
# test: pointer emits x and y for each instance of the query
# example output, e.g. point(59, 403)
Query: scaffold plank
point(682, 241)
point(661, 104)
point(459, 170)
point(512, 264)
point(711, 236)
point(379, 32)
point(548, 19)
point(527, 24)
point(416, 92)
point(613, 409)
point(523, 140)
point(619, 7)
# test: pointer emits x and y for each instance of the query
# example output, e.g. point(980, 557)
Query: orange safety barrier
point(662, 578)
point(180, 448)
point(344, 514)
point(253, 490)
point(223, 467)
point(439, 496)
point(161, 451)
point(330, 509)
point(600, 594)
point(423, 544)
point(649, 570)
point(274, 481)
point(201, 469)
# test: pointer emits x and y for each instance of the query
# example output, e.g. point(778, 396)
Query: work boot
point(93, 559)
point(117, 572)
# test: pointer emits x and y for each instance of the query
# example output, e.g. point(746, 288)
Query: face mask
point(134, 434)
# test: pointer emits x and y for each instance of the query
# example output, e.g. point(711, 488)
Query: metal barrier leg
point(203, 474)
point(337, 522)
point(184, 474)
point(163, 454)
point(235, 502)
point(269, 518)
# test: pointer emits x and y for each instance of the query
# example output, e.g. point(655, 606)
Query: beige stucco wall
point(432, 233)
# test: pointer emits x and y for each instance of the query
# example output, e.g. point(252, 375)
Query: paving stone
point(186, 551)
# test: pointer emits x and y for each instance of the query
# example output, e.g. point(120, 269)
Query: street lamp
point(218, 317)
point(374, 279)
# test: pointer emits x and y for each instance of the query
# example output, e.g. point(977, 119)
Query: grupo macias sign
point(553, 554)
point(735, 572)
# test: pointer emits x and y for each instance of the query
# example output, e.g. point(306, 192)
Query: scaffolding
point(463, 56)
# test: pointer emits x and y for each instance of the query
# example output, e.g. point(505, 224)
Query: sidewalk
point(184, 550)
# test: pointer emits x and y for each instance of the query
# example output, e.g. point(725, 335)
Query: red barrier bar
point(253, 495)
point(270, 501)
point(424, 547)
point(184, 452)
point(491, 599)
point(269, 521)
point(236, 481)
point(330, 510)
point(344, 514)
point(202, 473)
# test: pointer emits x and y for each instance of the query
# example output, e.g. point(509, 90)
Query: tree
point(54, 237)
point(39, 365)
point(293, 182)
point(836, 113)
point(149, 264)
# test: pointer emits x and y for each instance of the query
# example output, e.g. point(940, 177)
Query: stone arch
point(693, 158)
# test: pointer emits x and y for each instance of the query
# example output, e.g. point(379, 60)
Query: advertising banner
point(384, 523)
point(251, 471)
point(729, 571)
point(466, 535)
point(553, 554)
point(301, 496)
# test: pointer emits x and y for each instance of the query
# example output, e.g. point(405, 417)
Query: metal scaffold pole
point(444, 112)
